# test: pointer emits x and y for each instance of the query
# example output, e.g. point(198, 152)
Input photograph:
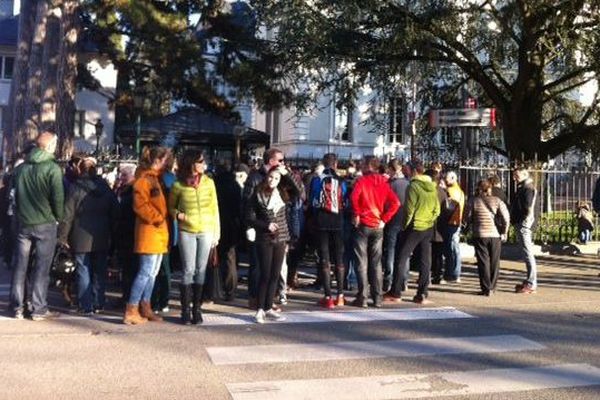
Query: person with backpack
point(328, 197)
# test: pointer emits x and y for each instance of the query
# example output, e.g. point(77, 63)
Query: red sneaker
point(327, 302)
point(390, 298)
point(525, 288)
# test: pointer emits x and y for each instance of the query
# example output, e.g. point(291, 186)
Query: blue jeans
point(452, 253)
point(390, 239)
point(194, 249)
point(524, 238)
point(91, 280)
point(141, 290)
point(42, 240)
point(585, 235)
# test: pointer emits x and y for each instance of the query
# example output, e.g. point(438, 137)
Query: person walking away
point(126, 258)
point(585, 221)
point(422, 207)
point(497, 190)
point(522, 216)
point(39, 198)
point(483, 213)
point(88, 227)
point(162, 285)
point(328, 197)
point(373, 205)
point(399, 181)
point(439, 228)
point(455, 204)
point(194, 204)
point(151, 233)
point(266, 214)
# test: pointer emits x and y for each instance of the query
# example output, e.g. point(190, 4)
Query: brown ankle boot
point(132, 315)
point(146, 312)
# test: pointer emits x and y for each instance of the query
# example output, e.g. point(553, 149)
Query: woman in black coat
point(91, 212)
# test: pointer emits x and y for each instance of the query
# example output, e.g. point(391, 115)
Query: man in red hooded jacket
point(373, 205)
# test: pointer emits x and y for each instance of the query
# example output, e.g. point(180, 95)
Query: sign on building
point(463, 117)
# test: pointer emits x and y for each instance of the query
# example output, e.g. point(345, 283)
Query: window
point(8, 63)
point(79, 125)
point(344, 127)
point(396, 112)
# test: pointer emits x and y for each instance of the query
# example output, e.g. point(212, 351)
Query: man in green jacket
point(40, 205)
point(422, 208)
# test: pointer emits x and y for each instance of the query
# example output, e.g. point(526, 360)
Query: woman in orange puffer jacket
point(151, 232)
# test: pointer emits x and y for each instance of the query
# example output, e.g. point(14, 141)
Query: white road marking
point(422, 385)
point(294, 317)
point(328, 351)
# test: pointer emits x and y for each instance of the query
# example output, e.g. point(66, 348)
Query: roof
point(193, 125)
point(9, 31)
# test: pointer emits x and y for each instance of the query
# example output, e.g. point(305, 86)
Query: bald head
point(47, 141)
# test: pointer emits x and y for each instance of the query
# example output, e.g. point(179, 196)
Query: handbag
point(213, 287)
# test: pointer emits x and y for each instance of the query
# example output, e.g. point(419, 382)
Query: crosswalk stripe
point(293, 317)
point(422, 385)
point(329, 351)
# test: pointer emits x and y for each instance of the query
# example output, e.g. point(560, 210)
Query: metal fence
point(560, 190)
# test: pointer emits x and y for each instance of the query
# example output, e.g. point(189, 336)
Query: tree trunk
point(67, 76)
point(13, 121)
point(50, 62)
point(34, 79)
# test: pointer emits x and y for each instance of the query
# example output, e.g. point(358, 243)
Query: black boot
point(185, 296)
point(197, 304)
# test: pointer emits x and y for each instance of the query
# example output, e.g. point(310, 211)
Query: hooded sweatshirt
point(373, 200)
point(422, 204)
point(91, 215)
point(39, 189)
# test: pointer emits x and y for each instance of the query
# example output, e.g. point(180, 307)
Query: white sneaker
point(283, 299)
point(260, 316)
point(274, 316)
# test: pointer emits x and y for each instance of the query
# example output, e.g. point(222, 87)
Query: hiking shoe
point(340, 301)
point(260, 317)
point(283, 299)
point(45, 316)
point(274, 315)
point(524, 288)
point(327, 302)
point(360, 302)
point(420, 299)
point(19, 315)
point(390, 298)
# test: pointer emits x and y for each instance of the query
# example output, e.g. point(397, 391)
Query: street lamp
point(99, 128)
point(138, 104)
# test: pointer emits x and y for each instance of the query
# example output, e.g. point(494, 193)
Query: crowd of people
point(367, 226)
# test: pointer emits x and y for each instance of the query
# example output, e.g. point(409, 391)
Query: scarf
point(272, 202)
point(193, 181)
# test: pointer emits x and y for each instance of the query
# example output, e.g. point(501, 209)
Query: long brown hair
point(186, 164)
point(264, 187)
point(151, 154)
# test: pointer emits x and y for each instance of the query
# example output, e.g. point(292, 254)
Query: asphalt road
point(508, 346)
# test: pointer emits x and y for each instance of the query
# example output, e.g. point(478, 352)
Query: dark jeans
point(487, 252)
point(162, 284)
point(270, 257)
point(228, 258)
point(129, 266)
point(91, 280)
point(367, 250)
point(42, 239)
point(437, 260)
point(420, 240)
point(331, 240)
point(253, 271)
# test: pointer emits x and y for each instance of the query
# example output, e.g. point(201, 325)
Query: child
point(585, 221)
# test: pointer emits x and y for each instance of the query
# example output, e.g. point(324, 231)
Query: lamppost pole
point(99, 127)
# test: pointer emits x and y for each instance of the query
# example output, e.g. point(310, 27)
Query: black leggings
point(270, 259)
